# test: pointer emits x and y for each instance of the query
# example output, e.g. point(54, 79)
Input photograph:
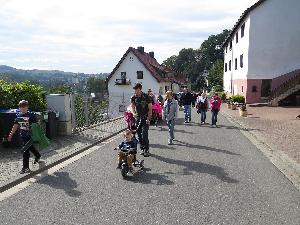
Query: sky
point(91, 36)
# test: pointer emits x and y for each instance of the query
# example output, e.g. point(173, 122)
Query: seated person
point(130, 144)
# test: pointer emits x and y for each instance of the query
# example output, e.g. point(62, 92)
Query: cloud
point(92, 35)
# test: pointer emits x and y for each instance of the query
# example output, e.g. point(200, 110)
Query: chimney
point(141, 49)
point(151, 54)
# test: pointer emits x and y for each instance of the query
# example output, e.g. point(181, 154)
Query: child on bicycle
point(130, 144)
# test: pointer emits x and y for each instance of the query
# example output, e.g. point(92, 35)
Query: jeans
point(214, 117)
point(142, 132)
point(187, 113)
point(203, 115)
point(171, 125)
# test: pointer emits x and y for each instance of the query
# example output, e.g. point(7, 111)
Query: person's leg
point(172, 130)
point(26, 156)
point(216, 116)
point(186, 113)
point(120, 158)
point(202, 115)
point(130, 158)
point(139, 133)
point(190, 113)
point(212, 117)
point(145, 137)
point(36, 153)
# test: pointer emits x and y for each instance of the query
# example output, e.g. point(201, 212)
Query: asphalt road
point(209, 176)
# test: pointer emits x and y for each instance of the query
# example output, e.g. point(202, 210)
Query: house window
point(241, 61)
point(237, 37)
point(140, 74)
point(254, 88)
point(229, 65)
point(123, 76)
point(243, 30)
point(242, 89)
point(230, 45)
point(225, 67)
point(226, 48)
point(235, 64)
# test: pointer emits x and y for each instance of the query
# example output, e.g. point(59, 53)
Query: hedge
point(12, 93)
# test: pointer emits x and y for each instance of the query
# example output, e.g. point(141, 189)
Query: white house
point(137, 66)
point(262, 52)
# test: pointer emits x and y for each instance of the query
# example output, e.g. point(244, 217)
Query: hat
point(137, 86)
point(149, 90)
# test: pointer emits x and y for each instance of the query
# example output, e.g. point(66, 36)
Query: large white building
point(263, 50)
point(137, 66)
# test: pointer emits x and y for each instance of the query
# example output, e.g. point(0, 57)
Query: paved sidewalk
point(277, 126)
point(11, 159)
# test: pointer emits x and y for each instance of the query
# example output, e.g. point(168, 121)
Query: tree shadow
point(159, 146)
point(176, 130)
point(146, 177)
point(63, 181)
point(237, 128)
point(198, 167)
point(184, 144)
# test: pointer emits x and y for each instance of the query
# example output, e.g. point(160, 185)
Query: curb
point(287, 166)
point(17, 181)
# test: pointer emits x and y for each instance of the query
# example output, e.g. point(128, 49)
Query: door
point(266, 88)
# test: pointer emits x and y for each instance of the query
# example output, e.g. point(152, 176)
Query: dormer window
point(243, 30)
point(140, 74)
point(230, 45)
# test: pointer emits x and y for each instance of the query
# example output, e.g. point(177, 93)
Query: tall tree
point(170, 62)
point(96, 85)
point(215, 76)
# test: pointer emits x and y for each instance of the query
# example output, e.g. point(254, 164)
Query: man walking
point(215, 103)
point(141, 105)
point(202, 106)
point(186, 99)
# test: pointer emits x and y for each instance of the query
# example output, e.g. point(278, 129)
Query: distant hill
point(42, 76)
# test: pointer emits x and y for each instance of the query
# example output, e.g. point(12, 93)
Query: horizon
point(91, 37)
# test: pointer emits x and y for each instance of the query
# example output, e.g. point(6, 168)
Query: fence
point(89, 111)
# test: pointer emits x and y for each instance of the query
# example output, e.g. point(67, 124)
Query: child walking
point(170, 114)
point(22, 123)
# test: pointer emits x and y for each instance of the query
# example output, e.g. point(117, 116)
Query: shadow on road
point(184, 144)
point(146, 177)
point(198, 167)
point(236, 128)
point(160, 146)
point(63, 181)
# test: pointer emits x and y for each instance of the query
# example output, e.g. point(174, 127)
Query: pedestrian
point(202, 106)
point(22, 124)
point(215, 103)
point(170, 114)
point(150, 93)
point(194, 99)
point(186, 99)
point(141, 104)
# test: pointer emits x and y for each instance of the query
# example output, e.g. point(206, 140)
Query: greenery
point(96, 85)
point(223, 96)
point(194, 63)
point(63, 89)
point(243, 107)
point(215, 76)
point(238, 99)
point(12, 93)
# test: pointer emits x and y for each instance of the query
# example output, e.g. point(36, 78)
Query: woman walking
point(170, 114)
point(202, 106)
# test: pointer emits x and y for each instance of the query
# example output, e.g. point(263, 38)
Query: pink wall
point(246, 86)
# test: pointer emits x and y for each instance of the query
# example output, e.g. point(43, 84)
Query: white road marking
point(8, 193)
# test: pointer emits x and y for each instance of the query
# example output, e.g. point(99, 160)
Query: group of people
point(141, 107)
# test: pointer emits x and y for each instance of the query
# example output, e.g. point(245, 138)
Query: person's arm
point(164, 112)
point(149, 112)
point(133, 108)
point(176, 110)
point(13, 131)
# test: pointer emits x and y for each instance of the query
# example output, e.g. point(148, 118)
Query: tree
point(96, 85)
point(215, 76)
point(170, 62)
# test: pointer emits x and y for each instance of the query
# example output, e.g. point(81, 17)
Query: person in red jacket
point(215, 103)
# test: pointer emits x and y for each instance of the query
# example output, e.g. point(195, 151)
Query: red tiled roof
point(241, 20)
point(158, 71)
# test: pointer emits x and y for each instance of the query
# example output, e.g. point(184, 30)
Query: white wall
point(274, 39)
point(240, 48)
point(120, 94)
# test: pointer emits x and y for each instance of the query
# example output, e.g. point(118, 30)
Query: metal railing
point(292, 82)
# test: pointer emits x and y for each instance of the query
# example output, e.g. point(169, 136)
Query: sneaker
point(146, 154)
point(131, 171)
point(142, 153)
point(186, 122)
point(169, 143)
point(119, 166)
point(25, 170)
point(37, 160)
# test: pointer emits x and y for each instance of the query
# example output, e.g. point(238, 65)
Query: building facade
point(137, 66)
point(263, 49)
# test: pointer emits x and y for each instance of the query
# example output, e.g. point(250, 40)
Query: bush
point(12, 93)
point(238, 99)
point(223, 96)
